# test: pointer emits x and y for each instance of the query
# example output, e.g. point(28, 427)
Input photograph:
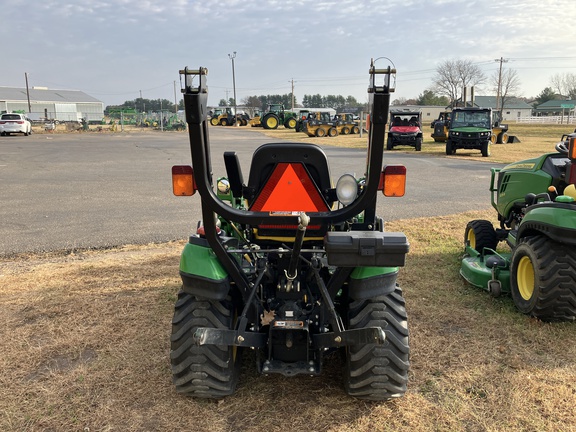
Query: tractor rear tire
point(505, 138)
point(206, 371)
point(224, 122)
point(543, 279)
point(345, 130)
point(379, 372)
point(355, 130)
point(214, 121)
point(332, 132)
point(480, 234)
point(270, 121)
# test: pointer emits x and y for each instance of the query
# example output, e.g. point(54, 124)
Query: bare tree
point(506, 85)
point(452, 76)
point(564, 84)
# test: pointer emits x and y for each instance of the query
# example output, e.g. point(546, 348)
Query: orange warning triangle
point(289, 188)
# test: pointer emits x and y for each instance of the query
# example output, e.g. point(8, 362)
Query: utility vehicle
point(289, 265)
point(405, 129)
point(470, 128)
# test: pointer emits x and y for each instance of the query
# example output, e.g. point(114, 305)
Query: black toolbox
point(366, 248)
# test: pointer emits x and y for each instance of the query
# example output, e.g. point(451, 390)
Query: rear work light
point(183, 183)
point(393, 181)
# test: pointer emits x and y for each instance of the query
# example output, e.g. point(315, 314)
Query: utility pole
point(232, 57)
point(292, 93)
point(499, 90)
point(28, 92)
point(175, 99)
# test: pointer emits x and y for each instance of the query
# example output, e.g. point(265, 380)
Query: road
point(79, 191)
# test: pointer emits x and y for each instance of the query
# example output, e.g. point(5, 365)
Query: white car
point(15, 123)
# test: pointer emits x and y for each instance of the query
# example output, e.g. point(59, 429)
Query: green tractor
point(275, 116)
point(288, 265)
point(536, 204)
point(470, 128)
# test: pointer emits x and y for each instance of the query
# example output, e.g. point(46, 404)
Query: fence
point(567, 119)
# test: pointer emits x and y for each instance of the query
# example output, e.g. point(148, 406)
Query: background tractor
point(274, 116)
point(289, 265)
point(536, 204)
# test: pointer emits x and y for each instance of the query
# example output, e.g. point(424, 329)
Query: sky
point(117, 51)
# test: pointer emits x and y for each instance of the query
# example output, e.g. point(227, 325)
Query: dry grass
point(85, 344)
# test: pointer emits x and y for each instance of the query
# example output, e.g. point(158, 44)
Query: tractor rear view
point(536, 204)
point(289, 265)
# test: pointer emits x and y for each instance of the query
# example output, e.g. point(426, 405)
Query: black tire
point(206, 371)
point(486, 148)
point(332, 132)
point(543, 279)
point(389, 145)
point(450, 149)
point(379, 372)
point(355, 130)
point(224, 122)
point(418, 145)
point(320, 133)
point(290, 123)
point(480, 234)
point(345, 130)
point(270, 121)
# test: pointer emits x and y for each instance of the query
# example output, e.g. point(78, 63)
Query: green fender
point(555, 220)
point(202, 273)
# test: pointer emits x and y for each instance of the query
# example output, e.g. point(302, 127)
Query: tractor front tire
point(290, 123)
point(270, 121)
point(214, 121)
point(379, 372)
point(205, 371)
point(543, 279)
point(332, 132)
point(480, 234)
point(320, 133)
point(418, 145)
point(486, 148)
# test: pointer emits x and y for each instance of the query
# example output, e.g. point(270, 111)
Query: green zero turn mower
point(289, 265)
point(536, 204)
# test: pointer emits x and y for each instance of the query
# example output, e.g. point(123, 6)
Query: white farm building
point(41, 103)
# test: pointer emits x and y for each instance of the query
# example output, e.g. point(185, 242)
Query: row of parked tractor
point(315, 122)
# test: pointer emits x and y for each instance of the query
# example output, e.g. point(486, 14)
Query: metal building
point(41, 103)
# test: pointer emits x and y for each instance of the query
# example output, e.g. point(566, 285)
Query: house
point(556, 107)
point(513, 109)
point(43, 103)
